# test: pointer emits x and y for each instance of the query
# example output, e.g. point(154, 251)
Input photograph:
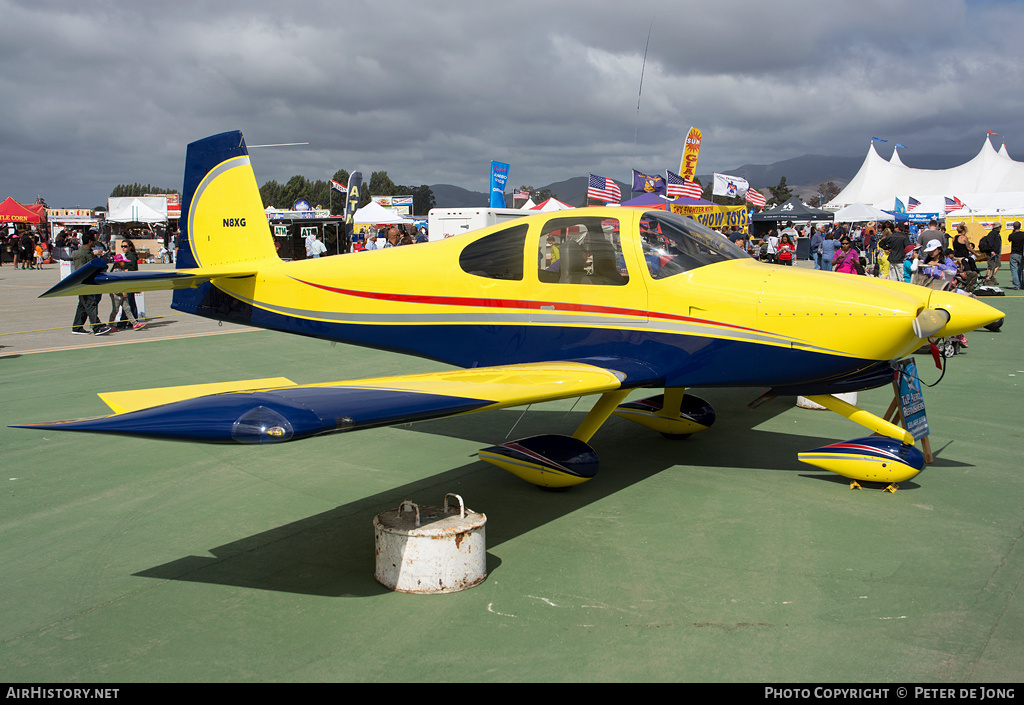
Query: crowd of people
point(26, 248)
point(893, 250)
point(393, 236)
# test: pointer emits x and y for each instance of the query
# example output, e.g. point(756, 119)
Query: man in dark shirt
point(896, 245)
point(992, 245)
point(1016, 239)
point(87, 304)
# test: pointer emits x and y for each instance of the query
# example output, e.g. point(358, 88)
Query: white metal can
point(428, 550)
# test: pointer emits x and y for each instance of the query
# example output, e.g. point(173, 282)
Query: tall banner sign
point(691, 150)
point(499, 177)
point(355, 190)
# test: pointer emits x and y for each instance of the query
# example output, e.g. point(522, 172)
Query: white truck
point(448, 222)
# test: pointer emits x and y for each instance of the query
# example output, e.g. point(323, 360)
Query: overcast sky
point(99, 93)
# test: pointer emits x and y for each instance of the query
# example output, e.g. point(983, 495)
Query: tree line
point(317, 193)
point(320, 193)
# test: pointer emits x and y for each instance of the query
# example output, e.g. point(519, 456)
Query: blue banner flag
point(499, 177)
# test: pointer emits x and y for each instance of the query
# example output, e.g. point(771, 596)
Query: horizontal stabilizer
point(93, 278)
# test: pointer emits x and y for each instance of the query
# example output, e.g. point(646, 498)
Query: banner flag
point(355, 191)
point(730, 186)
point(338, 187)
point(647, 183)
point(601, 189)
point(677, 186)
point(691, 150)
point(499, 176)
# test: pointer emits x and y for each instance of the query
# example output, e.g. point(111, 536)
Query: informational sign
point(915, 420)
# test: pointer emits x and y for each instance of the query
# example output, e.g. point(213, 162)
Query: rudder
point(223, 221)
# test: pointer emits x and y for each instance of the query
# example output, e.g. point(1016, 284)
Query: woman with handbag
point(846, 259)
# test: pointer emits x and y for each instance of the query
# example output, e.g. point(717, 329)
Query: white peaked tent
point(136, 210)
point(880, 182)
point(375, 214)
point(528, 206)
point(860, 213)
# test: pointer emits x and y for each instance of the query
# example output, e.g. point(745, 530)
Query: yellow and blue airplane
point(587, 301)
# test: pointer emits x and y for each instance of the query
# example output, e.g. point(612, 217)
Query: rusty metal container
point(429, 550)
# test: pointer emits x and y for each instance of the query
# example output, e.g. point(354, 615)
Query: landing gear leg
point(674, 414)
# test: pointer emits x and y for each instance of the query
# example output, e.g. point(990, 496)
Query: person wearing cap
point(935, 269)
point(371, 240)
point(89, 303)
point(910, 262)
point(1016, 239)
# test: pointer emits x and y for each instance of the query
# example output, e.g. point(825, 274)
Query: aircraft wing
point(276, 410)
point(92, 278)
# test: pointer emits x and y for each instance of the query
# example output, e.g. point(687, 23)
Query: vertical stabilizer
point(223, 221)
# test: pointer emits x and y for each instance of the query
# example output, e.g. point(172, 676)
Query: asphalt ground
point(720, 558)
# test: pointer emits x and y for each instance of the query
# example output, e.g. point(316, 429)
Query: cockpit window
point(496, 256)
point(674, 244)
point(581, 249)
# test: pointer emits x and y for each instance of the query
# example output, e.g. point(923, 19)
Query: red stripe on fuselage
point(515, 303)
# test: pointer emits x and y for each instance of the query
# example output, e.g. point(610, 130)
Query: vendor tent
point(13, 212)
point(656, 200)
point(139, 209)
point(375, 214)
point(879, 181)
point(552, 204)
point(794, 209)
point(861, 213)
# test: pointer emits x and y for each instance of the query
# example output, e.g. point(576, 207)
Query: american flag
point(522, 195)
point(954, 204)
point(755, 198)
point(912, 203)
point(602, 189)
point(339, 187)
point(678, 186)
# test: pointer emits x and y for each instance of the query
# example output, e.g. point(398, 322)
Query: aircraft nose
point(965, 313)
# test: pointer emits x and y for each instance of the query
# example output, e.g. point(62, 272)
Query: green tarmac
point(720, 558)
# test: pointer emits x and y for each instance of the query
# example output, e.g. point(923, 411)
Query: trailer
point(448, 222)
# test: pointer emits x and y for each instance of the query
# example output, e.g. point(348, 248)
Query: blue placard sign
point(911, 399)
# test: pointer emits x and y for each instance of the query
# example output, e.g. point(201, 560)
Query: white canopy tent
point(137, 210)
point(860, 213)
point(375, 214)
point(879, 182)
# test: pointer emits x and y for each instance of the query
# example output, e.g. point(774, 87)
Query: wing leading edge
point(276, 410)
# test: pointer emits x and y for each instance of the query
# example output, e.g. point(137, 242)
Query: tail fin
point(223, 220)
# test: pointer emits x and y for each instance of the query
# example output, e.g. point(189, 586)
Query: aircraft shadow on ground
point(332, 553)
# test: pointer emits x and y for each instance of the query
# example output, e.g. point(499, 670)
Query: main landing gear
point(554, 461)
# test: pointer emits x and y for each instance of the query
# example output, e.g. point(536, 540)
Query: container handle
point(462, 505)
point(414, 506)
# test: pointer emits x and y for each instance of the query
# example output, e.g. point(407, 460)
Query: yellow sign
point(691, 150)
point(714, 216)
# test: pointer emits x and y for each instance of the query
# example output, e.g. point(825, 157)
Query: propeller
point(930, 321)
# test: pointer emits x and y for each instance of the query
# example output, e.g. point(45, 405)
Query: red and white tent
point(552, 204)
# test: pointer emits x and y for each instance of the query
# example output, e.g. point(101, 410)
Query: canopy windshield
point(674, 244)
